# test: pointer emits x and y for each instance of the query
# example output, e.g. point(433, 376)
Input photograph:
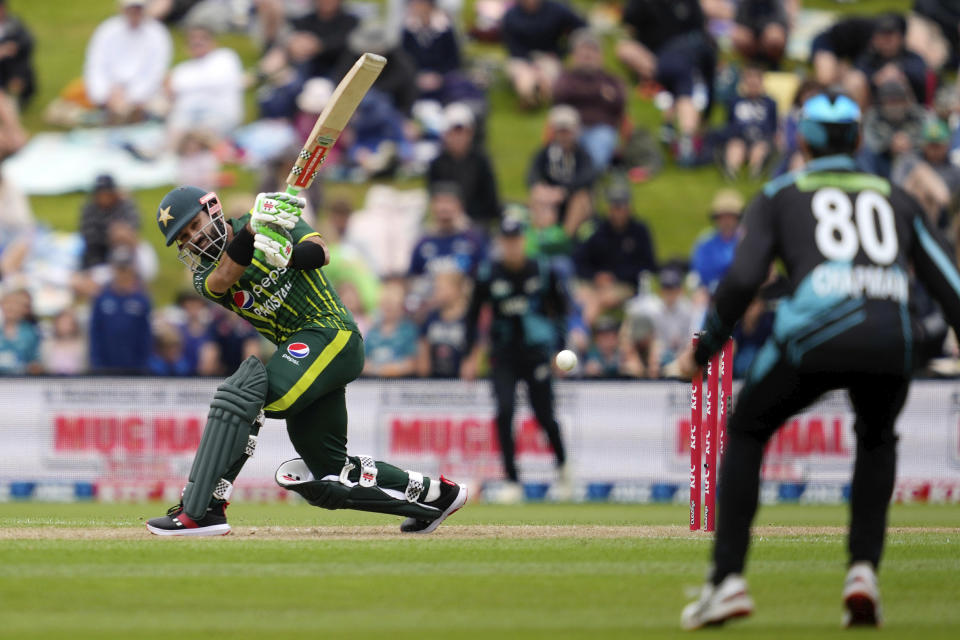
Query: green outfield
point(561, 571)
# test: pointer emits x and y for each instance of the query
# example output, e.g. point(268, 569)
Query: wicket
point(709, 438)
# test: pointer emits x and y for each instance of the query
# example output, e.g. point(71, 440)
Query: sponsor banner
point(132, 439)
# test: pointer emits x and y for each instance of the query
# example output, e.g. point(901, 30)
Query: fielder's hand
point(281, 209)
point(275, 244)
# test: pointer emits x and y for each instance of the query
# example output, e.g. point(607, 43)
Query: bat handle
point(294, 191)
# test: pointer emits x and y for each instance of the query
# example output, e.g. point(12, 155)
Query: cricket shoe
point(452, 497)
point(717, 604)
point(861, 597)
point(178, 523)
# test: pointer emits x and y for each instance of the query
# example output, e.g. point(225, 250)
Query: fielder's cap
point(671, 277)
point(890, 23)
point(315, 95)
point(511, 227)
point(726, 201)
point(563, 116)
point(104, 182)
point(457, 114)
point(936, 130)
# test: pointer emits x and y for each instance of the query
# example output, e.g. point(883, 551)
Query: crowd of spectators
point(426, 118)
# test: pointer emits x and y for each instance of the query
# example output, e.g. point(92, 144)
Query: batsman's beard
point(206, 245)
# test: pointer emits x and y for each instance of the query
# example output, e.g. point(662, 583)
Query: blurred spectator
point(430, 39)
point(398, 80)
point(598, 96)
point(673, 323)
point(349, 263)
point(120, 339)
point(889, 128)
point(16, 57)
point(639, 342)
point(391, 343)
point(750, 334)
point(197, 163)
point(545, 237)
point(443, 340)
point(562, 170)
point(463, 162)
point(835, 49)
point(713, 252)
point(20, 338)
point(350, 297)
point(761, 28)
point(194, 327)
point(206, 91)
point(888, 60)
point(933, 33)
point(317, 42)
point(64, 351)
point(533, 32)
point(791, 156)
point(620, 245)
point(127, 58)
point(16, 217)
point(230, 341)
point(751, 126)
point(452, 241)
point(105, 207)
point(604, 359)
point(929, 176)
point(670, 46)
point(376, 142)
point(168, 357)
point(12, 134)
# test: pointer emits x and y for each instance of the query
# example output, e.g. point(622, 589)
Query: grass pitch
point(560, 571)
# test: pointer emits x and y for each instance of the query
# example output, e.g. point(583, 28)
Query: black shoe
point(452, 497)
point(178, 523)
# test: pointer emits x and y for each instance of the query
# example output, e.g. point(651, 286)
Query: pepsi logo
point(298, 349)
point(243, 299)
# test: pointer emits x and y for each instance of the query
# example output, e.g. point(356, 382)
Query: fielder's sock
point(432, 491)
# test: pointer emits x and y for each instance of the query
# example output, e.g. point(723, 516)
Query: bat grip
point(294, 191)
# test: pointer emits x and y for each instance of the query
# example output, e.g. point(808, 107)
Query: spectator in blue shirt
point(431, 41)
point(888, 59)
point(19, 336)
point(169, 357)
point(713, 253)
point(534, 32)
point(391, 344)
point(443, 335)
point(751, 126)
point(120, 339)
point(452, 241)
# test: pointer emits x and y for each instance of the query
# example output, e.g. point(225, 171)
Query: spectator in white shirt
point(206, 91)
point(127, 58)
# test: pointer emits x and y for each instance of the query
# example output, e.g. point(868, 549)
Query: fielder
point(848, 241)
point(266, 267)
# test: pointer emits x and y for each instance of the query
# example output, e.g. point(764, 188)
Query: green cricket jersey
point(279, 302)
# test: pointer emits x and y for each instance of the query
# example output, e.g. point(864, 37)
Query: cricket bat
point(332, 120)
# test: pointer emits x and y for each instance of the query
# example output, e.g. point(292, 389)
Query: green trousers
point(307, 379)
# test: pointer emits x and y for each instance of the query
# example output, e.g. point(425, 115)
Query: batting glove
point(278, 209)
point(275, 246)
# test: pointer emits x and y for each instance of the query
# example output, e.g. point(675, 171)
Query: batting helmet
point(181, 206)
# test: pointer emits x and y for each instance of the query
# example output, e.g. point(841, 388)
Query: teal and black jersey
point(848, 241)
point(529, 307)
point(279, 302)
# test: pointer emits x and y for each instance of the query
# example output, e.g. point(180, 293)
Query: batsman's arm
point(751, 265)
point(233, 263)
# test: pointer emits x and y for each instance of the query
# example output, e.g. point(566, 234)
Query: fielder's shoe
point(717, 604)
point(452, 497)
point(178, 523)
point(861, 597)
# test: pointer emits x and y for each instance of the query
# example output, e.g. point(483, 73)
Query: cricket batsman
point(849, 242)
point(266, 266)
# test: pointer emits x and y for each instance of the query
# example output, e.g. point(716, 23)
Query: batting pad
point(236, 405)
